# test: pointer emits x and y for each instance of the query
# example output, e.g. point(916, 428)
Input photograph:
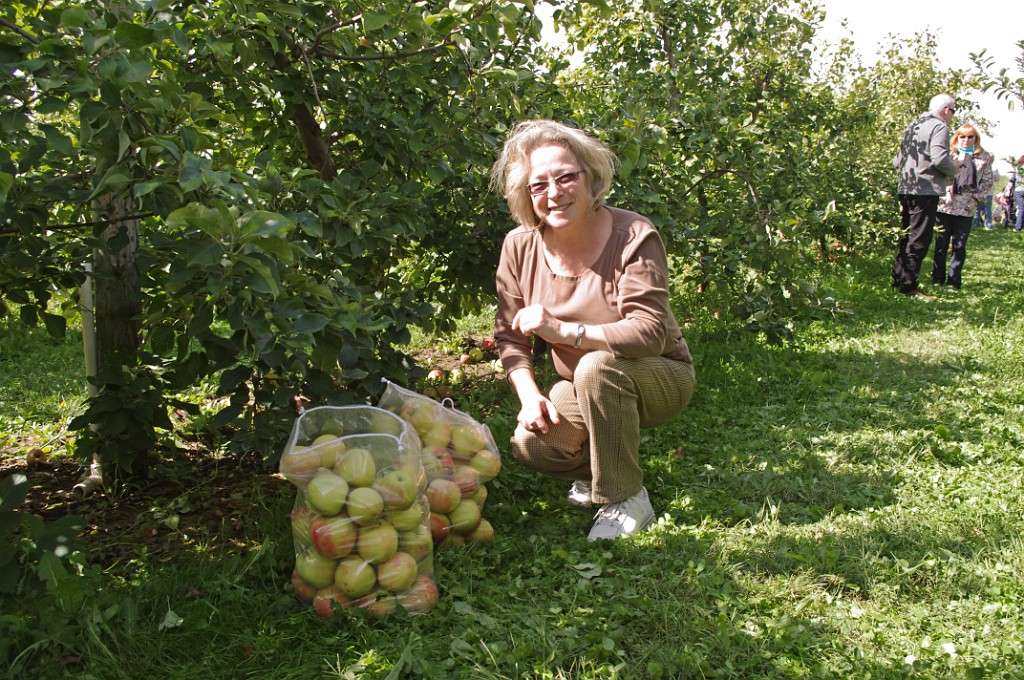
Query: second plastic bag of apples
point(459, 457)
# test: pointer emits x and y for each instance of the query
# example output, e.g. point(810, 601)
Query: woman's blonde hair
point(511, 172)
point(964, 129)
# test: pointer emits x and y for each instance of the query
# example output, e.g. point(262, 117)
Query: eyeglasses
point(963, 136)
point(566, 181)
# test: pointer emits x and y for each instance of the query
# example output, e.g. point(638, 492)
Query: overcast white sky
point(995, 26)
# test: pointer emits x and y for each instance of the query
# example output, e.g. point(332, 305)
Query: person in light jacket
point(957, 207)
point(925, 168)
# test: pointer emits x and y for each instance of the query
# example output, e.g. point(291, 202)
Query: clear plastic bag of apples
point(361, 519)
point(459, 457)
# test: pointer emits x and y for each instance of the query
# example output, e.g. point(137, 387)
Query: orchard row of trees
point(270, 195)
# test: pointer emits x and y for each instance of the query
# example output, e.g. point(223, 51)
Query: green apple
point(299, 465)
point(467, 440)
point(330, 447)
point(480, 496)
point(334, 536)
point(315, 569)
point(476, 354)
point(443, 495)
point(406, 520)
point(301, 531)
point(397, 572)
point(364, 505)
point(398, 488)
point(465, 517)
point(487, 463)
point(419, 413)
point(438, 434)
point(354, 576)
point(417, 542)
point(377, 543)
point(357, 467)
point(326, 493)
point(385, 422)
point(483, 532)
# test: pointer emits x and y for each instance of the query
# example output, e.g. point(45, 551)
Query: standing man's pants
point(917, 215)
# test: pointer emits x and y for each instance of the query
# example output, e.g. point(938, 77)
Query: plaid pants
point(602, 411)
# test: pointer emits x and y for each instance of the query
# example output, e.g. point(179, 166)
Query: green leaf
point(373, 21)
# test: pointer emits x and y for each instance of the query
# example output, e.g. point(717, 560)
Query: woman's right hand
point(537, 413)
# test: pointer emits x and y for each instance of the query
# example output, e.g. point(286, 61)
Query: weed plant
point(848, 506)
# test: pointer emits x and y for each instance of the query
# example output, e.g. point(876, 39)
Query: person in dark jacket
point(925, 168)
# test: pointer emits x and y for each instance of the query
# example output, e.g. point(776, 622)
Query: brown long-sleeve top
point(625, 291)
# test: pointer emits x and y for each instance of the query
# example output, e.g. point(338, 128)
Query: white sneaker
point(579, 494)
point(623, 518)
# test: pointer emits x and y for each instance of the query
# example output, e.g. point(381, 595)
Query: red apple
point(303, 590)
point(438, 462)
point(357, 467)
point(421, 596)
point(487, 463)
point(488, 343)
point(398, 489)
point(397, 572)
point(435, 375)
point(378, 542)
point(334, 536)
point(326, 493)
point(465, 517)
point(364, 505)
point(440, 527)
point(315, 569)
point(355, 576)
point(483, 532)
point(467, 479)
point(328, 599)
point(443, 495)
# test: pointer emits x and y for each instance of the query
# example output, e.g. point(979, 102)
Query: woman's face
point(557, 185)
point(965, 139)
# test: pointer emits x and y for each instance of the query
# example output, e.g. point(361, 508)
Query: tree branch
point(20, 31)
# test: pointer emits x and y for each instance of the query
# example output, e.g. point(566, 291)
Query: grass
point(847, 507)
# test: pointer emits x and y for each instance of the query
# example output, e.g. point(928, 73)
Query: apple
point(330, 447)
point(314, 568)
point(426, 565)
point(435, 375)
point(483, 532)
point(364, 505)
point(326, 493)
point(355, 576)
point(301, 532)
point(499, 367)
point(487, 463)
point(327, 599)
point(476, 355)
point(481, 495)
point(419, 413)
point(378, 542)
point(439, 433)
point(356, 467)
point(397, 572)
point(415, 470)
point(385, 422)
point(382, 604)
point(465, 517)
point(467, 479)
point(421, 596)
point(454, 542)
point(303, 590)
point(429, 392)
point(467, 440)
point(437, 462)
point(408, 519)
point(443, 495)
point(465, 359)
point(440, 527)
point(488, 343)
point(398, 489)
point(417, 542)
point(299, 465)
point(457, 376)
point(334, 536)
